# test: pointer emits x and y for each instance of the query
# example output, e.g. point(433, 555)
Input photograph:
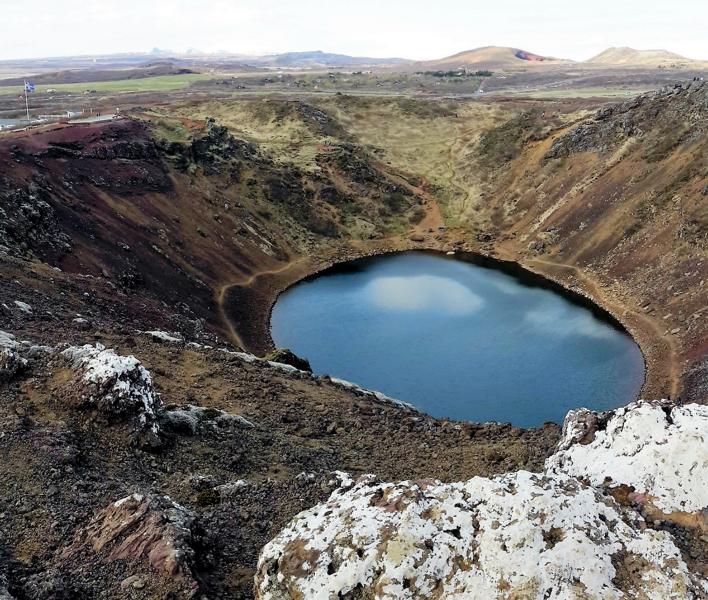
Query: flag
point(29, 86)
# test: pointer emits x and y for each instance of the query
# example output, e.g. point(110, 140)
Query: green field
point(163, 83)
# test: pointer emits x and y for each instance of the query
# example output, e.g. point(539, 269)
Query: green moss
point(171, 131)
point(288, 357)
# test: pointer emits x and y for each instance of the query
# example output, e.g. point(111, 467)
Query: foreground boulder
point(560, 534)
point(117, 386)
point(10, 361)
point(286, 356)
point(661, 453)
point(516, 536)
point(150, 537)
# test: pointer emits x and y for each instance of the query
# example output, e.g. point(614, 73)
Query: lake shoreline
point(249, 308)
point(462, 337)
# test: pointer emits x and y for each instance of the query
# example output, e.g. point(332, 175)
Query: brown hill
point(488, 57)
point(644, 58)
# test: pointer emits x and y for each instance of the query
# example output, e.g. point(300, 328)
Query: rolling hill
point(489, 57)
point(641, 58)
point(91, 75)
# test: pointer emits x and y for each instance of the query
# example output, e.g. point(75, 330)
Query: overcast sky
point(406, 28)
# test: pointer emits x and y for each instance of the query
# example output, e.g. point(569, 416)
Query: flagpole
point(27, 102)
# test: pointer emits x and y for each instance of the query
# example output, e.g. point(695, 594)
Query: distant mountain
point(319, 59)
point(92, 74)
point(633, 57)
point(488, 57)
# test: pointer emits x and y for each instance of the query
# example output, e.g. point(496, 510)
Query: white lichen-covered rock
point(24, 307)
point(571, 532)
point(10, 360)
point(660, 452)
point(117, 385)
point(228, 491)
point(163, 336)
point(515, 536)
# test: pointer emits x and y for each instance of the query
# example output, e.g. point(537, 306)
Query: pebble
point(134, 581)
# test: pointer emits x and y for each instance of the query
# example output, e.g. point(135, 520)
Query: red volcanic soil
point(523, 55)
point(109, 190)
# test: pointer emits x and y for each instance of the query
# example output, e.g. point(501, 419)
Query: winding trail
point(248, 282)
point(453, 177)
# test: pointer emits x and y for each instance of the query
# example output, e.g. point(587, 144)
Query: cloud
point(560, 321)
point(423, 293)
point(506, 285)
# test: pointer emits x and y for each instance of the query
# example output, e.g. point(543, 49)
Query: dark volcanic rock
point(288, 357)
point(219, 146)
point(28, 224)
point(679, 110)
point(320, 121)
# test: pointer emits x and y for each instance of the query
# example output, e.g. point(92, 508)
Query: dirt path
point(433, 217)
point(661, 355)
point(248, 282)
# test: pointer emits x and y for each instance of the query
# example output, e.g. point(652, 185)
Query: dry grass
point(435, 144)
point(270, 124)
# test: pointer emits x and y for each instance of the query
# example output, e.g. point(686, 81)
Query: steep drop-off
point(616, 205)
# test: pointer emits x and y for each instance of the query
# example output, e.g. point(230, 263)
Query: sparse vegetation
point(423, 109)
point(666, 142)
point(502, 144)
point(171, 130)
point(458, 73)
point(417, 215)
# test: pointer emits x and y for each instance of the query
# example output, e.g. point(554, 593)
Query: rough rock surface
point(119, 386)
point(288, 357)
point(151, 533)
point(10, 361)
point(4, 594)
point(191, 419)
point(661, 453)
point(519, 535)
point(685, 103)
point(28, 224)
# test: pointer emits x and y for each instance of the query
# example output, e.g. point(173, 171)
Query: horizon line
point(167, 53)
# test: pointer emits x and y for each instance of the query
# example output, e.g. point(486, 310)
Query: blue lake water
point(458, 339)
